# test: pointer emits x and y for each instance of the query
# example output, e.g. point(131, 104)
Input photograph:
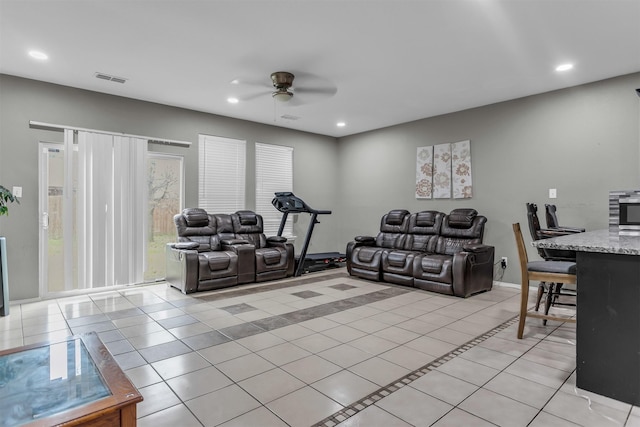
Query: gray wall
point(583, 141)
point(22, 100)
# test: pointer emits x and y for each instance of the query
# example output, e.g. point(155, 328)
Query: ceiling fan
point(282, 81)
point(312, 88)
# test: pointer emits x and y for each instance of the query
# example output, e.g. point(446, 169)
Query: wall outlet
point(503, 262)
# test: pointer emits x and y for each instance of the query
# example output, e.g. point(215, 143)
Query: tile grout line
point(372, 398)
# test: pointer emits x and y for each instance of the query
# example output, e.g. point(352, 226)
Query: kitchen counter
point(608, 311)
point(601, 241)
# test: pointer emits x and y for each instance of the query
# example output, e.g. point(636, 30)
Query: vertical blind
point(221, 174)
point(274, 173)
point(110, 212)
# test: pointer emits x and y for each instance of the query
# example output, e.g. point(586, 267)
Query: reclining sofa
point(428, 250)
point(220, 250)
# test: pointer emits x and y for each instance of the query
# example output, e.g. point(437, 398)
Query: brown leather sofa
point(428, 250)
point(220, 250)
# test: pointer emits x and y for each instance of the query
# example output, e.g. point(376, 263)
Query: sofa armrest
point(366, 240)
point(276, 239)
point(182, 269)
point(233, 242)
point(473, 270)
point(477, 248)
point(358, 241)
point(185, 245)
point(277, 242)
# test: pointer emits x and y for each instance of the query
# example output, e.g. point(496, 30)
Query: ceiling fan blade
point(328, 91)
point(246, 82)
point(253, 96)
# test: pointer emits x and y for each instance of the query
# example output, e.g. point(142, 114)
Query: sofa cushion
point(196, 217)
point(396, 221)
point(247, 217)
point(366, 254)
point(427, 218)
point(423, 231)
point(434, 268)
point(431, 264)
point(271, 259)
point(218, 261)
point(397, 259)
point(398, 264)
point(271, 256)
point(217, 265)
point(391, 240)
point(396, 216)
point(421, 243)
point(224, 225)
point(462, 218)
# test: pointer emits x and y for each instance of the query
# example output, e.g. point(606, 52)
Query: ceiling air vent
point(115, 79)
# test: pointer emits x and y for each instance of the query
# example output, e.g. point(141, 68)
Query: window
point(221, 174)
point(164, 189)
point(274, 173)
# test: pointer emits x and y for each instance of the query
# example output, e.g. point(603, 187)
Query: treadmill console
point(288, 202)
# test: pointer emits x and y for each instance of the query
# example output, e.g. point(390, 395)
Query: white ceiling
point(389, 61)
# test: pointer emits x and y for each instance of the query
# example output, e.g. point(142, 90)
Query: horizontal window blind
point(274, 173)
point(221, 174)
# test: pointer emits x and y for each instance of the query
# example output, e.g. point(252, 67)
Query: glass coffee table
point(74, 382)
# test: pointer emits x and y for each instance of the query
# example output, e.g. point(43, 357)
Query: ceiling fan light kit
point(282, 95)
point(282, 80)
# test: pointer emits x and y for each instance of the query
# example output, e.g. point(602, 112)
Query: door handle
point(45, 220)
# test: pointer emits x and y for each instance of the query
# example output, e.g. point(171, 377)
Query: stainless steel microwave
point(629, 214)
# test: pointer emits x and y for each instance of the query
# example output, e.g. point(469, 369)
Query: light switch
point(17, 191)
point(553, 193)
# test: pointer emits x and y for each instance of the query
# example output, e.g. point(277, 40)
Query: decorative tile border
point(254, 288)
point(385, 391)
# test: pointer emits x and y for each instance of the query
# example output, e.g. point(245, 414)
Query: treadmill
point(287, 202)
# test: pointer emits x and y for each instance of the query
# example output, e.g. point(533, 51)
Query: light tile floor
point(326, 349)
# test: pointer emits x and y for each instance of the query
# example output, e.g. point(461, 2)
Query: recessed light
point(341, 124)
point(38, 55)
point(564, 67)
point(233, 100)
point(235, 82)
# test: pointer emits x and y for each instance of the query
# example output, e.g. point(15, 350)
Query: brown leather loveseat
point(428, 250)
point(220, 250)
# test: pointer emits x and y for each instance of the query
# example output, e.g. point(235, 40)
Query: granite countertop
point(604, 241)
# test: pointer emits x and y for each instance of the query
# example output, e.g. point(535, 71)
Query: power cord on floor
point(588, 399)
point(498, 271)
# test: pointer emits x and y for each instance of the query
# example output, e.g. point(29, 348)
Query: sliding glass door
point(53, 277)
point(165, 187)
point(73, 217)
